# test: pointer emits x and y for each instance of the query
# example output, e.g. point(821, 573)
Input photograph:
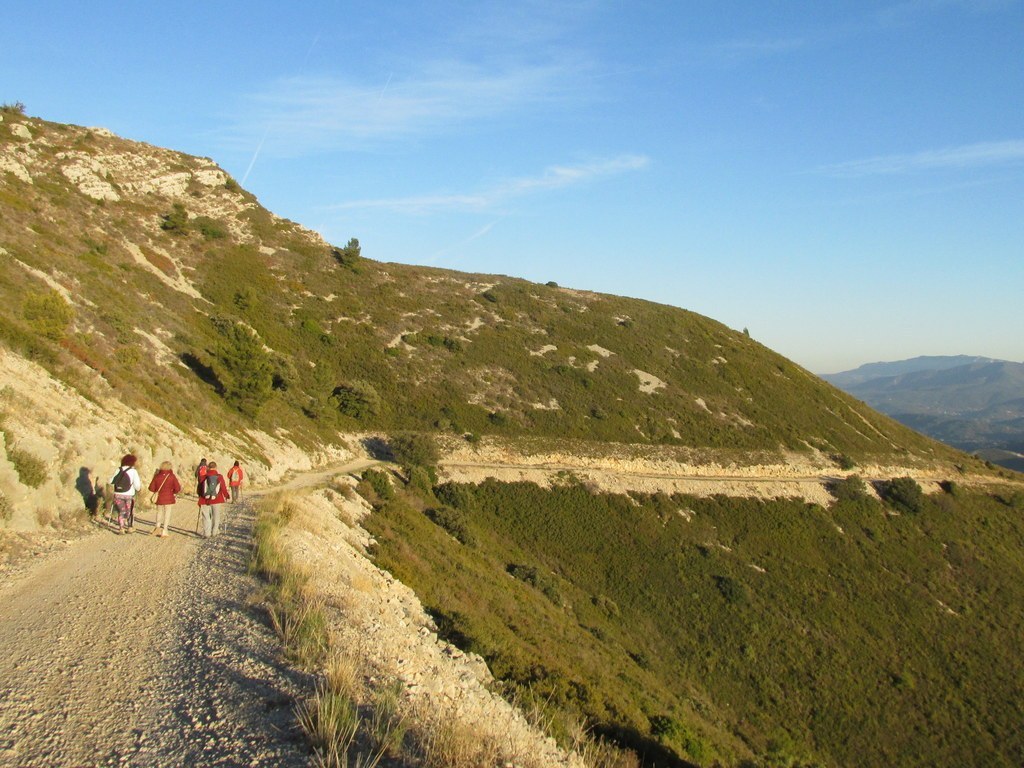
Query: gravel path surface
point(135, 650)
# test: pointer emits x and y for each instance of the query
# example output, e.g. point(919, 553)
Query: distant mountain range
point(972, 403)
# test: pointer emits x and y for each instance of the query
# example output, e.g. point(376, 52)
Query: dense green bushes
point(903, 493)
point(810, 637)
point(244, 369)
point(358, 399)
point(414, 449)
point(48, 314)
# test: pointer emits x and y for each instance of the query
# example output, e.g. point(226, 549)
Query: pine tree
point(244, 369)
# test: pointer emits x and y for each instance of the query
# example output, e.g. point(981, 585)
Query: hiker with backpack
point(165, 487)
point(235, 476)
point(200, 477)
point(127, 483)
point(213, 494)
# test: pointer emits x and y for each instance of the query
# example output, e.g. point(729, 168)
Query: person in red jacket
point(213, 494)
point(165, 486)
point(235, 476)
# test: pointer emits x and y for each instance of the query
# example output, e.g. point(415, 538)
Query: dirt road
point(136, 650)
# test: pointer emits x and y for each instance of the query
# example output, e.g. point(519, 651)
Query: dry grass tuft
point(343, 674)
point(330, 721)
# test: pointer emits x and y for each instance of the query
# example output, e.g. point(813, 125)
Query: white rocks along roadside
point(381, 622)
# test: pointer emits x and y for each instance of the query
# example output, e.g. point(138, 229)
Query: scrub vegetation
point(760, 633)
point(261, 324)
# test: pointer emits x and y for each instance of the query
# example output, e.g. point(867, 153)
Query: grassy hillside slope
point(733, 630)
point(155, 271)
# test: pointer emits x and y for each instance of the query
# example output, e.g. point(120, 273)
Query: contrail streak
point(266, 133)
point(384, 90)
point(255, 155)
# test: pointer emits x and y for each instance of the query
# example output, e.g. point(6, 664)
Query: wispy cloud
point(962, 157)
point(553, 177)
point(910, 11)
point(301, 115)
point(742, 51)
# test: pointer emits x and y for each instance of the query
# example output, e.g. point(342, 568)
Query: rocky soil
point(134, 650)
point(381, 623)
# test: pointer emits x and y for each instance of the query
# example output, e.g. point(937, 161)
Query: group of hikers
point(212, 491)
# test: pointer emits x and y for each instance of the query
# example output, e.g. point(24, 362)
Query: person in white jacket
point(127, 483)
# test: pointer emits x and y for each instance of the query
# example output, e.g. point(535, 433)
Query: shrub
point(670, 730)
point(532, 576)
point(209, 228)
point(845, 462)
point(457, 495)
point(176, 221)
point(48, 314)
point(414, 449)
point(1015, 500)
point(244, 369)
point(349, 257)
point(13, 108)
point(852, 488)
point(422, 479)
point(380, 483)
point(243, 299)
point(606, 605)
point(358, 399)
point(903, 493)
point(454, 522)
point(6, 508)
point(732, 590)
point(31, 469)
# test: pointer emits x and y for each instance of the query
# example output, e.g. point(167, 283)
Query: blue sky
point(845, 179)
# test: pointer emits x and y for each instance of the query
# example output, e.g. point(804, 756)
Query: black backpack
point(122, 481)
point(211, 486)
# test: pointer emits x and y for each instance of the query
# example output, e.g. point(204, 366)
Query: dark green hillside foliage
point(777, 633)
point(903, 493)
point(244, 369)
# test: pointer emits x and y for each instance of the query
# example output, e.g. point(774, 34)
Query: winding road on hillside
point(146, 651)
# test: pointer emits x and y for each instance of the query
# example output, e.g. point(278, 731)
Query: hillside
point(152, 275)
point(643, 521)
point(971, 403)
